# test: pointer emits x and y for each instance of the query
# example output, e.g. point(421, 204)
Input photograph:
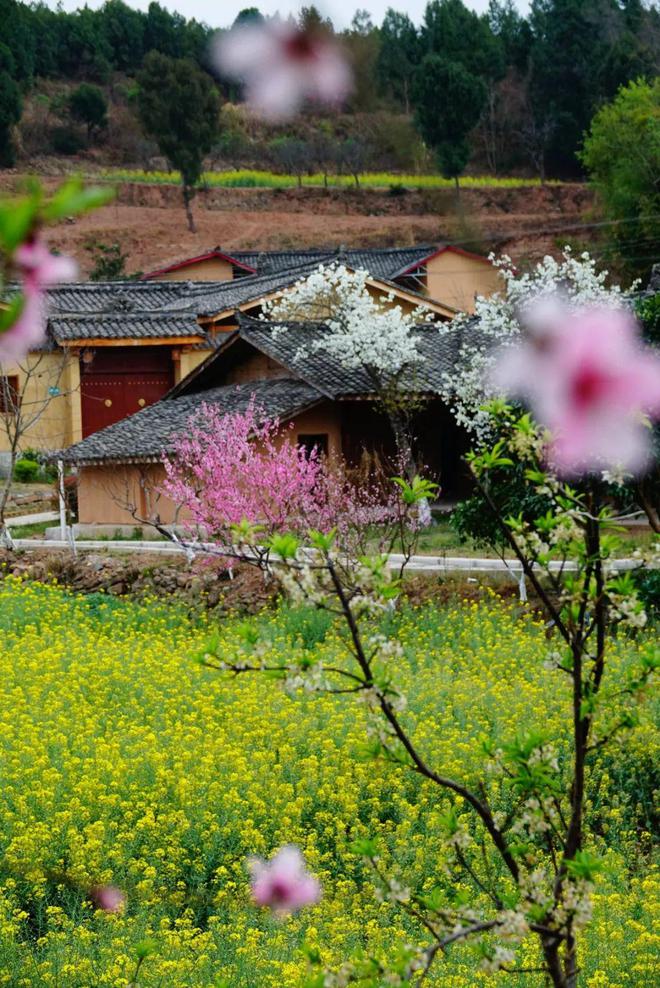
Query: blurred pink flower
point(109, 898)
point(39, 269)
point(590, 381)
point(283, 883)
point(28, 330)
point(282, 66)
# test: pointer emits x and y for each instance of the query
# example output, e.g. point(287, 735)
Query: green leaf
point(145, 948)
point(17, 219)
point(10, 314)
point(286, 546)
point(321, 541)
point(584, 865)
point(74, 198)
point(365, 847)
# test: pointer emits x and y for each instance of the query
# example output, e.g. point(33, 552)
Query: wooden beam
point(149, 341)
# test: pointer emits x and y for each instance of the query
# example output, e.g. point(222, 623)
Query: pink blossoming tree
point(240, 474)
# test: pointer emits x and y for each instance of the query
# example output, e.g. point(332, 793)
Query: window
point(314, 440)
point(9, 397)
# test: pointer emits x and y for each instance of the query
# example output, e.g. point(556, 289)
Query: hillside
point(148, 222)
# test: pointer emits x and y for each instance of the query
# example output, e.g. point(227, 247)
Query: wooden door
point(120, 381)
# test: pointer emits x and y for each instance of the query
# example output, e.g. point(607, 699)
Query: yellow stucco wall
point(187, 361)
point(107, 494)
point(213, 269)
point(59, 425)
point(456, 279)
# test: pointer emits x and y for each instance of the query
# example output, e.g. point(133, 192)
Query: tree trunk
point(457, 188)
point(5, 538)
point(553, 963)
point(649, 508)
point(187, 197)
point(408, 464)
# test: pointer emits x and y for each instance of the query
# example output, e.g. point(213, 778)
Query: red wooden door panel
point(117, 384)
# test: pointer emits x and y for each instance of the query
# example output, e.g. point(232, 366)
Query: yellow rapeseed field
point(123, 761)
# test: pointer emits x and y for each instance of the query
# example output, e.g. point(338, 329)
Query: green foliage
point(18, 217)
point(26, 471)
point(178, 106)
point(454, 32)
point(400, 48)
point(581, 52)
point(10, 106)
point(89, 106)
point(648, 312)
point(647, 583)
point(448, 103)
point(109, 262)
point(622, 155)
point(473, 518)
point(66, 140)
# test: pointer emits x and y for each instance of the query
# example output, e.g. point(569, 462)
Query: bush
point(26, 471)
point(31, 454)
point(66, 140)
point(648, 588)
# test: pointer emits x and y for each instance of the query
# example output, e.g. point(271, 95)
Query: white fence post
point(62, 499)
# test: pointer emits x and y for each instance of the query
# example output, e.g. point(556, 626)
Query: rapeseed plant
point(125, 763)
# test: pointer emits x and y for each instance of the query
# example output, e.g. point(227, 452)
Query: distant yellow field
point(252, 179)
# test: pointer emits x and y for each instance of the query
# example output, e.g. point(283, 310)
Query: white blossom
point(363, 331)
point(497, 323)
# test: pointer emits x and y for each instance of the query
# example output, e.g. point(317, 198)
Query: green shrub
point(648, 588)
point(26, 471)
point(66, 140)
point(31, 454)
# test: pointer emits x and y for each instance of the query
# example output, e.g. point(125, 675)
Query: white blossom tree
point(497, 322)
point(364, 332)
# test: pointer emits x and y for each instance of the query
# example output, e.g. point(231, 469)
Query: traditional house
point(113, 348)
point(446, 273)
point(120, 467)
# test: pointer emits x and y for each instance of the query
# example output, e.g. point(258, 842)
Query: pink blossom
point(590, 381)
point(282, 66)
point(27, 331)
point(109, 898)
point(241, 466)
point(39, 269)
point(283, 883)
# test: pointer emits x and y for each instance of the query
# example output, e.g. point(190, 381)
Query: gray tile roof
point(209, 298)
point(381, 262)
point(129, 326)
point(293, 347)
point(115, 296)
point(148, 434)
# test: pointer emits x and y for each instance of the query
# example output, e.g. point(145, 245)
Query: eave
point(131, 341)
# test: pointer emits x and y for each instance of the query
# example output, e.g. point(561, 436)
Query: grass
point(29, 531)
point(254, 179)
point(125, 761)
point(441, 539)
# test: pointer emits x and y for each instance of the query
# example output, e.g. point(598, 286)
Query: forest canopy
point(542, 77)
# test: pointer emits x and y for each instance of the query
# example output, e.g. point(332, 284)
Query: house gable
point(215, 265)
point(454, 275)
